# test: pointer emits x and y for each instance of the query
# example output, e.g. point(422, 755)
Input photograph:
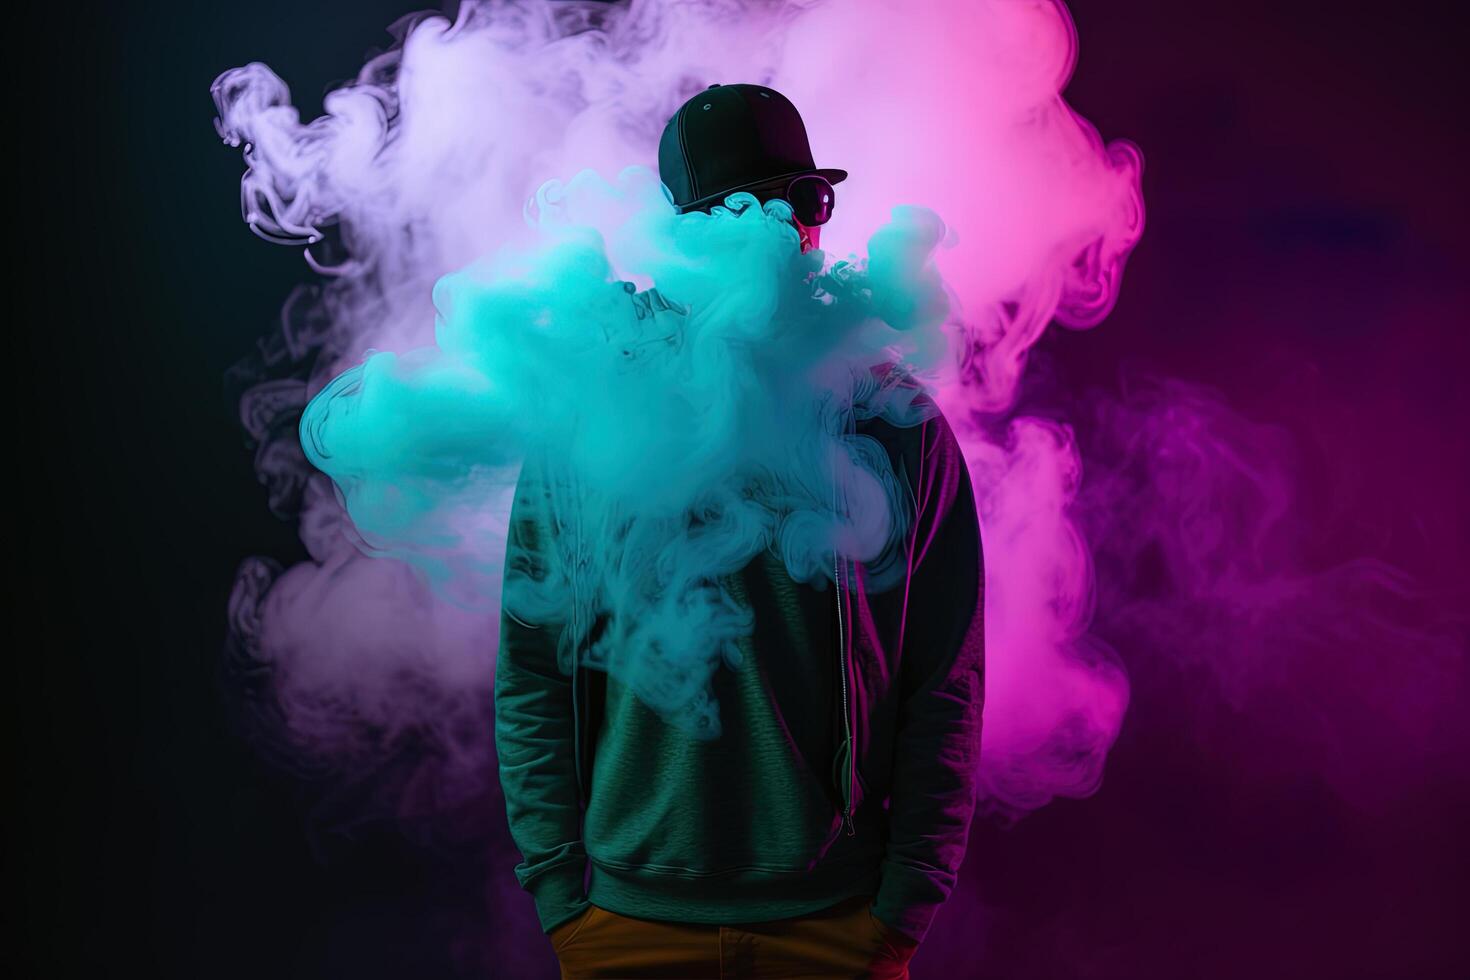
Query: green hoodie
point(798, 804)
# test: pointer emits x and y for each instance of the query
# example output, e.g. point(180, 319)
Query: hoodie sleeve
point(534, 725)
point(941, 690)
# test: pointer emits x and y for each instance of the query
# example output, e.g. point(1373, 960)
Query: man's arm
point(534, 723)
point(942, 690)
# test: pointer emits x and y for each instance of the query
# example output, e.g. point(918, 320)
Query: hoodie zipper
point(846, 718)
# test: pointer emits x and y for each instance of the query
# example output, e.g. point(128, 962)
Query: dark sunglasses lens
point(811, 198)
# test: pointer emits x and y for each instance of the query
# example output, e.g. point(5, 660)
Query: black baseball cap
point(732, 138)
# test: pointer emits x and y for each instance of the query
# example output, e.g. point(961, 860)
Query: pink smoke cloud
point(424, 164)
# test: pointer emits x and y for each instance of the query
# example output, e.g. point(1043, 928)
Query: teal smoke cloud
point(689, 426)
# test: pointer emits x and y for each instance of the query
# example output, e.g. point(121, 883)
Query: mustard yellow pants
point(845, 940)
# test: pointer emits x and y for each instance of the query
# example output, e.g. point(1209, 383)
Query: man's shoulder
point(899, 408)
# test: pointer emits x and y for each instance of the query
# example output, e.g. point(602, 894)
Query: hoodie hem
point(740, 896)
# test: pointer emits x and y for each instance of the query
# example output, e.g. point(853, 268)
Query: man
point(824, 828)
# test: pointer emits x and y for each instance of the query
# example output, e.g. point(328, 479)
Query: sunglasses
point(811, 197)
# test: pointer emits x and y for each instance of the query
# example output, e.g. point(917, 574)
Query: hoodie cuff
point(559, 894)
point(907, 900)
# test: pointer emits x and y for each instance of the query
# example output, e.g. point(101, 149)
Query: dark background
point(1305, 252)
